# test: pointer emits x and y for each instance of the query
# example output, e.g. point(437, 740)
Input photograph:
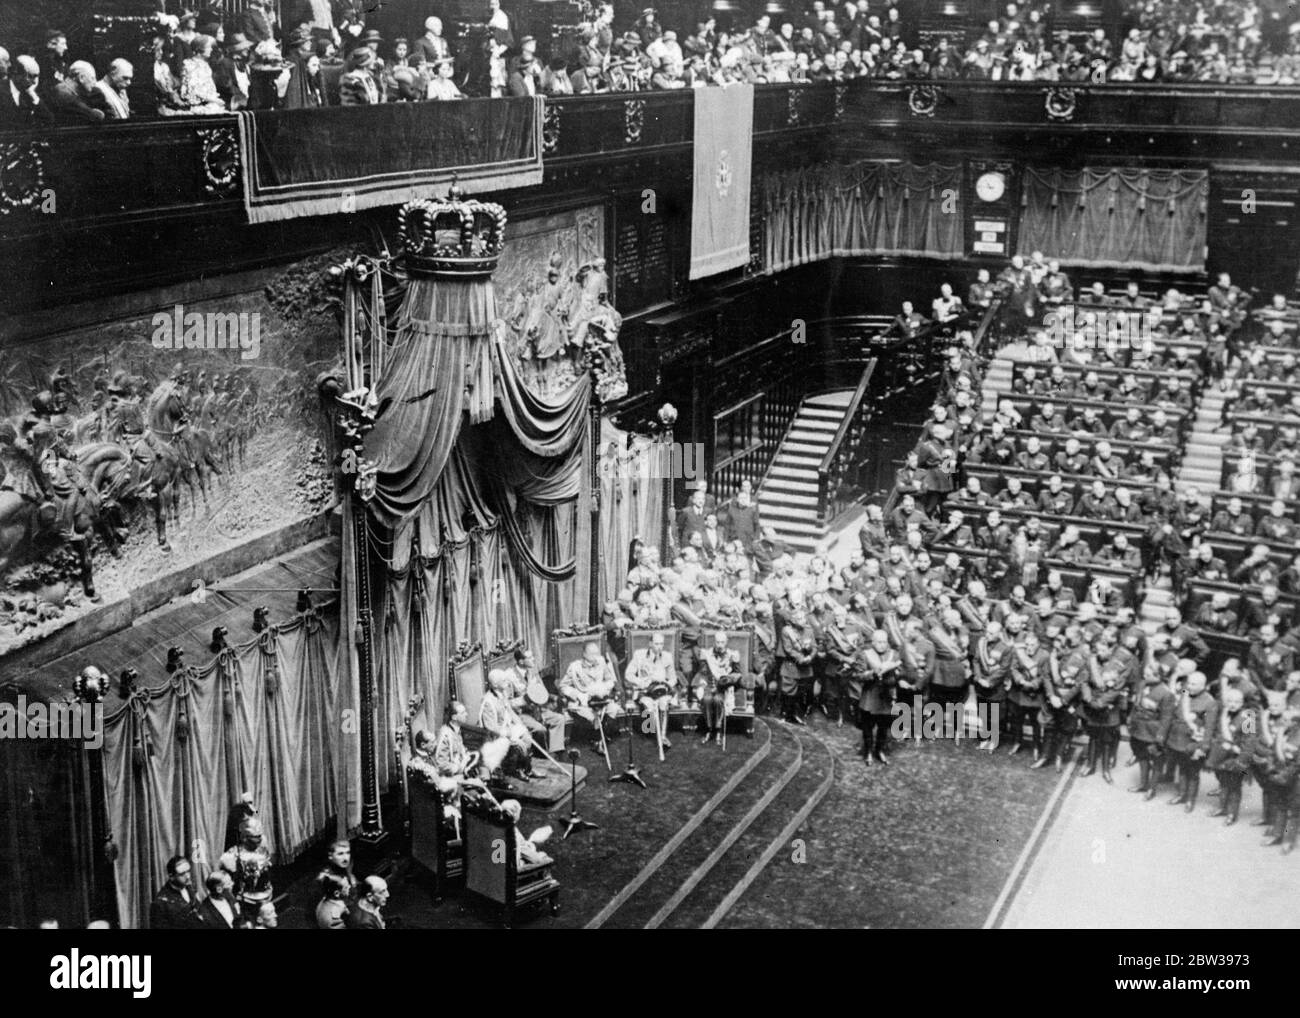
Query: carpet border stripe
point(769, 853)
point(669, 847)
point(732, 836)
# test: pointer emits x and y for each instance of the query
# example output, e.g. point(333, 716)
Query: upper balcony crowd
point(325, 54)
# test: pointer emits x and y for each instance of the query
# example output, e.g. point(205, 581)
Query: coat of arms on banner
point(723, 178)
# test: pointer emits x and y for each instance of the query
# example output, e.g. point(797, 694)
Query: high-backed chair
point(493, 869)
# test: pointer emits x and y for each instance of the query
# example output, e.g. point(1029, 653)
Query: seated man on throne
point(588, 686)
point(508, 738)
point(653, 679)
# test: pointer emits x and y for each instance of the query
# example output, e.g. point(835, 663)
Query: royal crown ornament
point(452, 237)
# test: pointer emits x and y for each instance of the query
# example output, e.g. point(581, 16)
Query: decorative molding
point(220, 159)
point(550, 128)
point(923, 100)
point(22, 174)
point(633, 120)
point(841, 94)
point(1060, 104)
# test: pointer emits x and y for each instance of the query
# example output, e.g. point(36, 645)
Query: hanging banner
point(724, 134)
point(347, 158)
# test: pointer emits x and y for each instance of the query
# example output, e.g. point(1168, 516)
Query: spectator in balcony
point(254, 24)
point(499, 23)
point(110, 93)
point(182, 40)
point(372, 40)
point(318, 16)
point(590, 77)
point(72, 99)
point(523, 79)
point(407, 85)
point(20, 101)
point(230, 73)
point(54, 59)
point(432, 44)
point(357, 86)
point(647, 25)
point(300, 89)
point(555, 78)
point(198, 87)
point(442, 86)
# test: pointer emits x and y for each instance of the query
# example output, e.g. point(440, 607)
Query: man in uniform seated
point(717, 674)
point(538, 718)
point(653, 680)
point(508, 738)
point(588, 678)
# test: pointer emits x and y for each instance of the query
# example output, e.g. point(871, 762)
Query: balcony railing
point(165, 167)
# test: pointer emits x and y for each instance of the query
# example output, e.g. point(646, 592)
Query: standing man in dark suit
point(54, 60)
point(218, 911)
point(368, 915)
point(174, 907)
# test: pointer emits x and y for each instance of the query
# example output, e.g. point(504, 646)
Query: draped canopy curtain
point(257, 718)
point(1152, 220)
point(862, 208)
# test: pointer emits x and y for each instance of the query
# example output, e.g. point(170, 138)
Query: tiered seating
point(1253, 556)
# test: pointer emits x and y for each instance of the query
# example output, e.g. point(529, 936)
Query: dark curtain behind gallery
point(1146, 219)
point(864, 208)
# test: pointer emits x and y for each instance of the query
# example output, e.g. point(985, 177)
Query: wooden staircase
point(788, 498)
point(1201, 468)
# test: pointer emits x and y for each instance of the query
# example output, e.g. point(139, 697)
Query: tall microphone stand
point(575, 821)
point(630, 773)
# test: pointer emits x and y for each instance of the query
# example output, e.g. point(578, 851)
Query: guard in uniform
point(1103, 710)
point(1029, 668)
point(249, 864)
point(878, 667)
point(1191, 735)
point(1150, 715)
point(1232, 751)
point(1066, 674)
point(991, 672)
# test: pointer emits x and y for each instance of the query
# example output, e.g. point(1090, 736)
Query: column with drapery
point(1153, 220)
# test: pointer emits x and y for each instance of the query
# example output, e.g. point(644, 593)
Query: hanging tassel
point(183, 726)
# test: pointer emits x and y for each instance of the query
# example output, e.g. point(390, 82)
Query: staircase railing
point(837, 486)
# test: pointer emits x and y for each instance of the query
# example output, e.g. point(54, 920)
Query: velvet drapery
point(862, 208)
point(1153, 220)
point(258, 718)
